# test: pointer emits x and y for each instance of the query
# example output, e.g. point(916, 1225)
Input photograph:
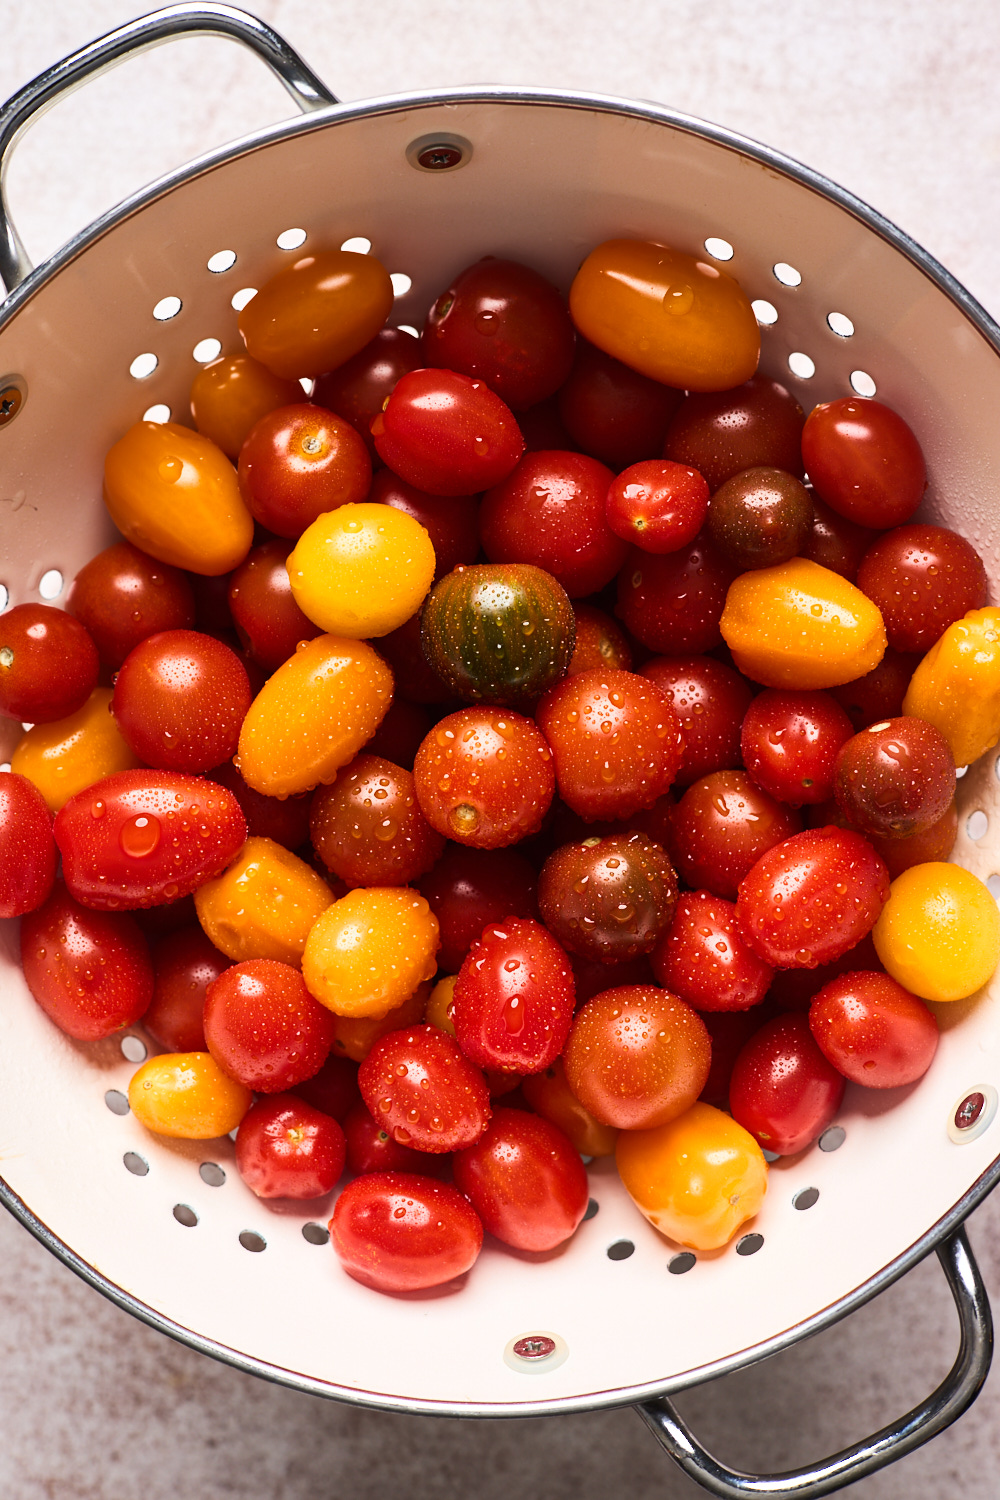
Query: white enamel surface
point(544, 183)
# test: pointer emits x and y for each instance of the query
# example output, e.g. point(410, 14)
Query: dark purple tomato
point(612, 412)
point(760, 517)
point(367, 826)
point(447, 434)
point(721, 827)
point(873, 1030)
point(514, 998)
point(287, 1149)
point(835, 542)
point(782, 1088)
point(864, 461)
point(180, 700)
point(710, 700)
point(923, 579)
point(267, 618)
point(48, 664)
point(673, 603)
point(451, 521)
point(359, 389)
point(122, 595)
point(703, 958)
point(722, 433)
point(525, 1181)
point(28, 853)
point(790, 743)
point(895, 778)
point(471, 888)
point(608, 899)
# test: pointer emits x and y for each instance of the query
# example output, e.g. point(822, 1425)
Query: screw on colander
point(534, 1346)
point(440, 157)
point(969, 1110)
point(11, 401)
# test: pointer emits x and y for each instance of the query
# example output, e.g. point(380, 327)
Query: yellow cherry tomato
point(939, 932)
point(368, 951)
point(187, 1094)
point(550, 1096)
point(232, 394)
point(174, 494)
point(799, 625)
point(355, 1036)
point(669, 315)
point(696, 1179)
point(361, 570)
point(264, 905)
point(68, 755)
point(315, 314)
point(957, 685)
point(438, 1011)
point(313, 715)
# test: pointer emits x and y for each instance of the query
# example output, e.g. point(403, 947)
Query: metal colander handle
point(308, 91)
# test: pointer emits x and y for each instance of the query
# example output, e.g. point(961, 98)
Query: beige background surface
point(898, 102)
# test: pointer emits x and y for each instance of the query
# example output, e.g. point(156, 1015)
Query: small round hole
point(719, 249)
point(308, 384)
point(315, 1234)
point(401, 283)
point(976, 824)
point(291, 239)
point(960, 772)
point(409, 328)
point(801, 365)
point(134, 1048)
point(749, 1244)
point(167, 308)
point(678, 1264)
point(786, 274)
point(4, 597)
point(185, 1215)
point(862, 383)
point(806, 1198)
point(116, 1101)
point(222, 260)
point(591, 1211)
point(157, 413)
point(993, 886)
point(212, 1173)
point(833, 1138)
point(359, 245)
point(620, 1250)
point(143, 366)
point(769, 1156)
point(5, 765)
point(243, 296)
point(251, 1240)
point(840, 324)
point(206, 350)
point(50, 585)
point(136, 1164)
point(765, 312)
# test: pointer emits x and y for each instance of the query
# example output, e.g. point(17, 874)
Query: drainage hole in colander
point(50, 585)
point(251, 1240)
point(592, 1208)
point(222, 260)
point(116, 1101)
point(678, 1264)
point(143, 366)
point(749, 1244)
point(840, 324)
point(291, 239)
point(770, 1156)
point(205, 350)
point(801, 365)
point(185, 1214)
point(157, 413)
point(833, 1138)
point(134, 1048)
point(786, 274)
point(976, 824)
point(765, 312)
point(805, 1198)
point(167, 308)
point(961, 770)
point(401, 283)
point(993, 886)
point(315, 1234)
point(243, 296)
point(5, 600)
point(358, 244)
point(620, 1250)
point(409, 328)
point(5, 765)
point(136, 1164)
point(212, 1173)
point(862, 383)
point(719, 249)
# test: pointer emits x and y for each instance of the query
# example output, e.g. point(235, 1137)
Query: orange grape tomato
point(67, 756)
point(264, 905)
point(368, 952)
point(666, 314)
point(442, 997)
point(550, 1096)
point(232, 394)
point(361, 570)
point(317, 313)
point(696, 1179)
point(355, 1036)
point(313, 715)
point(187, 1094)
point(174, 494)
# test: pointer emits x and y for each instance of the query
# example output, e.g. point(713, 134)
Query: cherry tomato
point(355, 1036)
point(28, 853)
point(414, 678)
point(122, 595)
point(609, 898)
point(721, 827)
point(298, 463)
point(783, 1090)
point(873, 1030)
point(89, 971)
point(880, 693)
point(939, 932)
point(287, 1149)
point(525, 1181)
point(372, 1149)
point(704, 959)
point(599, 643)
point(267, 618)
point(484, 777)
point(68, 755)
point(672, 602)
point(187, 1095)
point(895, 778)
point(48, 664)
point(729, 1031)
point(550, 1096)
point(140, 838)
point(513, 1001)
point(400, 1232)
point(264, 905)
point(470, 888)
point(422, 1089)
point(184, 965)
point(933, 844)
point(340, 564)
point(333, 1090)
point(710, 700)
point(637, 1057)
point(760, 517)
point(180, 700)
point(367, 952)
point(790, 744)
point(368, 828)
point(447, 434)
point(864, 461)
point(923, 579)
point(229, 397)
point(282, 820)
point(657, 505)
point(263, 1026)
point(359, 388)
point(612, 412)
point(722, 433)
point(317, 313)
point(451, 521)
point(793, 989)
point(836, 543)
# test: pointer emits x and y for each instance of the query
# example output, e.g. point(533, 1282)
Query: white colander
point(105, 332)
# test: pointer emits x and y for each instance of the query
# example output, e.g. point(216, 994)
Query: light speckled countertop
point(898, 102)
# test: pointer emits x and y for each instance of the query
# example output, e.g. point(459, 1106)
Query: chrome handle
point(956, 1392)
point(127, 41)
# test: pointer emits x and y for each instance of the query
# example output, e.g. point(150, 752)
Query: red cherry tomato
point(721, 433)
point(703, 958)
point(184, 965)
point(334, 1089)
point(300, 462)
point(122, 595)
point(418, 1085)
point(793, 989)
point(673, 602)
point(864, 461)
point(267, 618)
point(895, 778)
point(180, 699)
point(367, 826)
point(721, 827)
point(287, 1149)
point(835, 542)
point(873, 1030)
point(28, 854)
point(370, 1148)
point(729, 1031)
point(484, 777)
point(359, 388)
point(400, 1232)
point(469, 888)
point(790, 743)
point(782, 1089)
point(48, 664)
point(710, 700)
point(264, 1028)
point(525, 1181)
point(599, 642)
point(923, 579)
point(611, 411)
point(657, 505)
point(513, 1003)
point(447, 434)
point(89, 971)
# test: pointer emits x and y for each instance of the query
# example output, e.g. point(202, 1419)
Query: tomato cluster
point(485, 879)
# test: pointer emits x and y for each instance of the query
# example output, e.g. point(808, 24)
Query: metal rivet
point(11, 401)
point(439, 158)
point(969, 1110)
point(535, 1346)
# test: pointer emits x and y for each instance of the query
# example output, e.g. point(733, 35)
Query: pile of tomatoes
point(504, 756)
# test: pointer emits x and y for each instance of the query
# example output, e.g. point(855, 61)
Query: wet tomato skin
point(89, 971)
point(721, 827)
point(672, 602)
point(267, 618)
point(612, 412)
point(525, 1181)
point(370, 1148)
point(48, 664)
point(550, 1096)
point(284, 820)
point(122, 595)
point(400, 1232)
point(923, 579)
point(117, 838)
point(608, 899)
point(184, 965)
point(367, 826)
point(451, 521)
point(657, 505)
point(703, 958)
point(484, 777)
point(229, 397)
point(447, 434)
point(895, 778)
point(28, 854)
point(298, 463)
point(722, 433)
point(873, 1030)
point(783, 1090)
point(287, 1149)
point(513, 1002)
point(264, 1028)
point(359, 388)
point(880, 693)
point(180, 700)
point(452, 1110)
point(469, 888)
point(317, 313)
point(835, 542)
point(864, 461)
point(790, 742)
point(599, 642)
point(710, 700)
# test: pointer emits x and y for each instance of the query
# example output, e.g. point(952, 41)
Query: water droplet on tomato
point(139, 836)
point(513, 1015)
